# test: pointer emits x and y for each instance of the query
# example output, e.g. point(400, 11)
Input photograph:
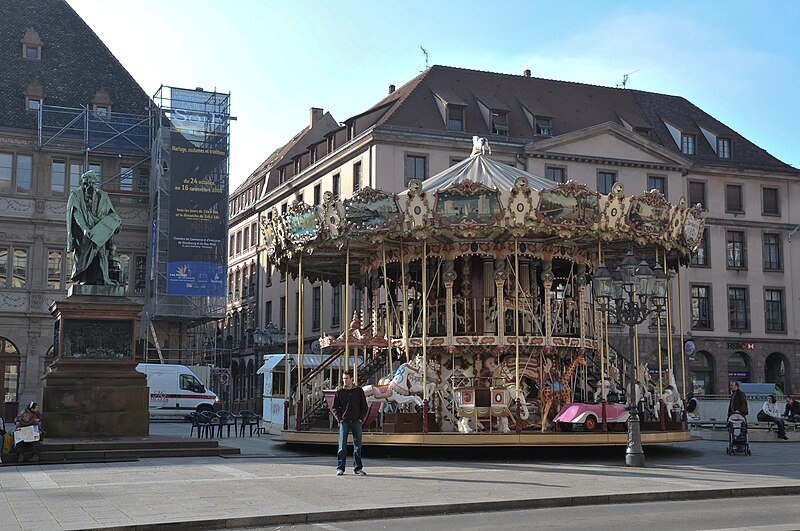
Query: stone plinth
point(94, 388)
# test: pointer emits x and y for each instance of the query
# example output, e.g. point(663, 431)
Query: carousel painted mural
point(486, 298)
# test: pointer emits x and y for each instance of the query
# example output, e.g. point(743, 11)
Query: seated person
point(769, 413)
point(792, 412)
point(29, 417)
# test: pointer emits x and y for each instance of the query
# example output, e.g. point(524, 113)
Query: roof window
point(544, 126)
point(499, 123)
point(31, 45)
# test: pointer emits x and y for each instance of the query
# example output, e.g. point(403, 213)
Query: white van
point(175, 391)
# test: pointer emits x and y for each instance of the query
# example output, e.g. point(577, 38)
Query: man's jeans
point(763, 417)
point(344, 429)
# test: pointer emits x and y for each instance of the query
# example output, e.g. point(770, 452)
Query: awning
point(270, 361)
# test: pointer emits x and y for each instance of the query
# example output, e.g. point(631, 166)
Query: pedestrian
point(792, 412)
point(738, 400)
point(349, 410)
point(769, 413)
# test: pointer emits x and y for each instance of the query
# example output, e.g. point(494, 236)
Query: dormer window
point(31, 45)
point(724, 148)
point(101, 103)
point(499, 123)
point(455, 118)
point(34, 96)
point(688, 143)
point(544, 126)
point(102, 111)
point(33, 104)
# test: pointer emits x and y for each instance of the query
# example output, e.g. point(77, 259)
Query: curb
point(464, 508)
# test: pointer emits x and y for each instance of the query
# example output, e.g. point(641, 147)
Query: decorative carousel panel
point(468, 203)
point(677, 220)
point(570, 204)
point(372, 210)
point(613, 207)
point(649, 214)
point(330, 212)
point(268, 233)
point(520, 203)
point(416, 208)
point(693, 227)
point(302, 224)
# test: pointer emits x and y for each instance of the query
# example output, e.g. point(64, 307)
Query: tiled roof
point(74, 64)
point(571, 107)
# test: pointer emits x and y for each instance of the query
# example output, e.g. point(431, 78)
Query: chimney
point(316, 114)
point(391, 89)
point(527, 73)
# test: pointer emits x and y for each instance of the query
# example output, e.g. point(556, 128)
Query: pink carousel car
point(590, 417)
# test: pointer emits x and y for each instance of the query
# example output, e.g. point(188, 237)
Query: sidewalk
point(269, 485)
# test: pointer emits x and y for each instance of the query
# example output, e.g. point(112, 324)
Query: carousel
point(493, 308)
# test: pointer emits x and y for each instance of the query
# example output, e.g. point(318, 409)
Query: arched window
point(250, 378)
point(9, 369)
point(739, 367)
point(701, 373)
point(776, 370)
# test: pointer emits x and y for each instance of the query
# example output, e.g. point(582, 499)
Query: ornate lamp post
point(630, 294)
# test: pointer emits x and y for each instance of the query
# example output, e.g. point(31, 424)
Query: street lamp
point(630, 294)
point(267, 337)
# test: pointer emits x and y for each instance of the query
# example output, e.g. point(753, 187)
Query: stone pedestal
point(94, 388)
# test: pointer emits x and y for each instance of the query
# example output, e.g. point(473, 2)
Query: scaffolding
point(209, 113)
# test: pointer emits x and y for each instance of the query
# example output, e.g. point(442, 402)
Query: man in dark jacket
point(738, 400)
point(350, 409)
point(792, 412)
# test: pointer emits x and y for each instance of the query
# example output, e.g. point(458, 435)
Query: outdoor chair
point(206, 419)
point(226, 418)
point(195, 418)
point(248, 418)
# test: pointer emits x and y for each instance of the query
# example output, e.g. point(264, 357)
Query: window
point(702, 258)
point(770, 204)
point(33, 104)
point(230, 287)
point(415, 167)
point(697, 193)
point(237, 285)
point(317, 194)
point(316, 307)
point(737, 308)
point(252, 280)
point(283, 209)
point(701, 307)
point(269, 272)
point(232, 245)
point(733, 198)
point(31, 52)
point(268, 312)
point(53, 269)
point(724, 148)
point(246, 239)
point(544, 126)
point(736, 250)
point(336, 307)
point(499, 123)
point(454, 161)
point(102, 111)
point(773, 310)
point(15, 176)
point(239, 242)
point(18, 267)
point(335, 187)
point(771, 252)
point(556, 174)
point(605, 180)
point(190, 383)
point(253, 235)
point(657, 182)
point(356, 177)
point(126, 179)
point(139, 274)
point(688, 143)
point(455, 118)
point(58, 175)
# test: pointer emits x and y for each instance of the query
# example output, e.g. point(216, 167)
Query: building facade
point(738, 302)
point(65, 98)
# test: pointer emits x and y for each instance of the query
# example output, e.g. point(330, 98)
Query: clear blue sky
point(737, 60)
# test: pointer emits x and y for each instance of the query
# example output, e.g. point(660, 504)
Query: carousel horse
point(564, 394)
point(397, 390)
point(510, 306)
point(645, 388)
point(609, 385)
point(671, 397)
point(415, 377)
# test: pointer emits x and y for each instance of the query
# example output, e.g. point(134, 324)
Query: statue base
point(94, 389)
point(95, 290)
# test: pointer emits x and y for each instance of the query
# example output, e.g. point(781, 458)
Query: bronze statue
point(91, 223)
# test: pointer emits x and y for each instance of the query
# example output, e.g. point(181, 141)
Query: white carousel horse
point(671, 397)
point(645, 387)
point(609, 385)
point(397, 390)
point(510, 306)
point(415, 377)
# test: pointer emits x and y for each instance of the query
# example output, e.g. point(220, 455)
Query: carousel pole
point(404, 291)
point(288, 376)
point(388, 325)
point(299, 416)
point(603, 353)
point(662, 410)
point(424, 335)
point(667, 310)
point(347, 310)
point(516, 331)
point(684, 418)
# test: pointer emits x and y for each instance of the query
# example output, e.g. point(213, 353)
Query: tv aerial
point(424, 51)
point(624, 83)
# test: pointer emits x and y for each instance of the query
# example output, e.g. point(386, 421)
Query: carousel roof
point(481, 169)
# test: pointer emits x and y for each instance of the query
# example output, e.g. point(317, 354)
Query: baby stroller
point(737, 435)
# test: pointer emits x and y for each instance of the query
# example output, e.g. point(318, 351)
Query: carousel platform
point(495, 440)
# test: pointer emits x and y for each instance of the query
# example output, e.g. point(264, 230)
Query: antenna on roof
point(426, 56)
point(624, 83)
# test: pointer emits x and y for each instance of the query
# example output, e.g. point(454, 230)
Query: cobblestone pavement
point(269, 484)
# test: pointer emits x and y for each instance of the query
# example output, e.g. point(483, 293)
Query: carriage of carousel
point(479, 321)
